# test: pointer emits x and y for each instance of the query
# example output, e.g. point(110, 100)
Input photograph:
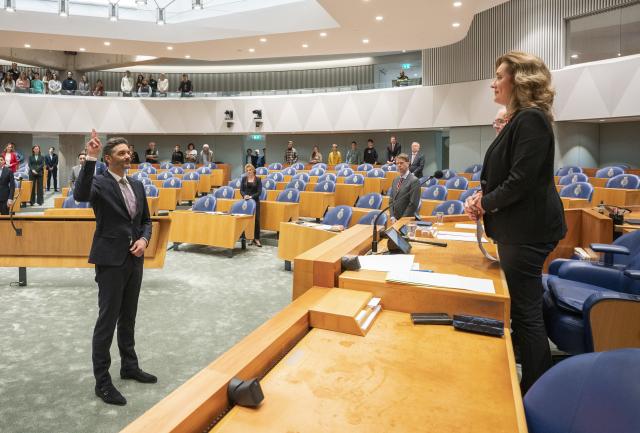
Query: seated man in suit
point(416, 161)
point(123, 231)
point(7, 187)
point(404, 197)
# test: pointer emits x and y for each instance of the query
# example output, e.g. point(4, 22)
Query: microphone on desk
point(11, 212)
point(374, 244)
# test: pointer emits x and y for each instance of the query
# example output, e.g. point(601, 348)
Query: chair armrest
point(609, 248)
point(555, 265)
point(588, 273)
point(633, 274)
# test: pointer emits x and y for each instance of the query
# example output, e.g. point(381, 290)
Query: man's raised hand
point(94, 146)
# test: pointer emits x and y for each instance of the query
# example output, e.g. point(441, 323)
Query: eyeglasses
point(499, 122)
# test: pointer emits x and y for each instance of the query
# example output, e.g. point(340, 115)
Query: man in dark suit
point(393, 150)
point(405, 191)
point(7, 187)
point(416, 161)
point(51, 161)
point(123, 231)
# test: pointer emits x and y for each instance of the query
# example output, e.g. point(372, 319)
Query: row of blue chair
point(624, 181)
point(186, 166)
point(609, 171)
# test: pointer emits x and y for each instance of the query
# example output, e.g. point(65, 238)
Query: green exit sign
point(256, 137)
point(406, 66)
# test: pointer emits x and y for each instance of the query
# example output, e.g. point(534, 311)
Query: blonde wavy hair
point(531, 82)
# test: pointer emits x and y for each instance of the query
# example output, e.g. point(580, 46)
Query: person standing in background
point(163, 85)
point(404, 197)
point(51, 161)
point(261, 158)
point(37, 86)
point(206, 155)
point(394, 149)
point(247, 156)
point(501, 120)
point(185, 88)
point(153, 84)
point(55, 86)
point(75, 170)
point(177, 157)
point(84, 88)
point(11, 157)
point(14, 72)
point(370, 154)
point(416, 161)
point(353, 154)
point(99, 89)
point(8, 84)
point(135, 159)
point(23, 83)
point(335, 157)
point(316, 156)
point(126, 84)
point(251, 188)
point(36, 170)
point(7, 187)
point(69, 85)
point(151, 154)
point(290, 155)
point(192, 153)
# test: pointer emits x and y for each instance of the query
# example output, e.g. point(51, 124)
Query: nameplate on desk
point(448, 281)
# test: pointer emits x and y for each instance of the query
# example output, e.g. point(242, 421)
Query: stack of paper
point(387, 263)
point(459, 236)
point(449, 281)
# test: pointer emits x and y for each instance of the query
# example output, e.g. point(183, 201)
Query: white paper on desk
point(450, 281)
point(387, 263)
point(465, 226)
point(321, 227)
point(459, 236)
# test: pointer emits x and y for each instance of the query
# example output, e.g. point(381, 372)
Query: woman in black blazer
point(36, 170)
point(519, 203)
point(251, 187)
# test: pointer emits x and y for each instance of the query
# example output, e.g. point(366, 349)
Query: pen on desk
point(422, 270)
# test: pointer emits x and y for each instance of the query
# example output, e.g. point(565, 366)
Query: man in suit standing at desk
point(7, 187)
point(123, 231)
point(405, 191)
point(416, 161)
point(51, 161)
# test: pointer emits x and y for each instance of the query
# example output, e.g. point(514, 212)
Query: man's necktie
point(128, 198)
point(400, 183)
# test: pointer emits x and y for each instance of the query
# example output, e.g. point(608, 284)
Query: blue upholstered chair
point(224, 192)
point(427, 183)
point(247, 207)
point(177, 170)
point(263, 194)
point(338, 216)
point(435, 192)
point(166, 165)
point(149, 170)
point(563, 171)
point(468, 193)
point(297, 184)
point(370, 201)
point(140, 175)
point(370, 217)
point(448, 174)
point(277, 177)
point(449, 207)
point(328, 176)
point(476, 176)
point(145, 181)
point(590, 393)
point(262, 171)
point(622, 165)
point(354, 179)
point(389, 167)
point(269, 184)
point(204, 170)
point(69, 193)
point(609, 172)
point(624, 181)
point(573, 178)
point(298, 166)
point(192, 175)
point(317, 171)
point(577, 190)
point(144, 165)
point(289, 171)
point(172, 182)
point(205, 204)
point(364, 167)
point(475, 168)
point(151, 191)
point(235, 183)
point(321, 165)
point(275, 166)
point(457, 182)
point(70, 203)
point(301, 176)
point(376, 172)
point(340, 166)
point(289, 195)
point(192, 166)
point(344, 172)
point(165, 175)
point(325, 186)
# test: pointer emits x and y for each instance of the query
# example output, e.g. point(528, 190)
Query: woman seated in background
point(163, 85)
point(251, 187)
point(8, 85)
point(23, 83)
point(84, 88)
point(37, 86)
point(316, 156)
point(45, 80)
point(192, 153)
point(177, 157)
point(55, 86)
point(144, 89)
point(99, 89)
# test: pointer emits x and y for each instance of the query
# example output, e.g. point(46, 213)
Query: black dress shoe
point(138, 375)
point(110, 395)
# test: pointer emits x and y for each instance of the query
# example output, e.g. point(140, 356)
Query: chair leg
point(287, 265)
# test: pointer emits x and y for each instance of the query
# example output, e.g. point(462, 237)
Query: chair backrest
point(211, 165)
point(475, 168)
point(224, 192)
point(165, 175)
point(370, 217)
point(151, 190)
point(427, 183)
point(289, 195)
point(321, 165)
point(298, 166)
point(262, 171)
point(70, 203)
point(278, 177)
point(370, 201)
point(192, 166)
point(449, 207)
point(143, 165)
point(235, 183)
point(166, 165)
point(457, 182)
point(275, 166)
point(345, 172)
point(563, 171)
point(468, 193)
point(247, 207)
point(173, 182)
point(588, 393)
point(205, 204)
point(365, 167)
point(632, 242)
point(269, 184)
point(177, 170)
point(150, 170)
point(435, 192)
point(448, 173)
point(298, 184)
point(145, 181)
point(339, 215)
point(263, 194)
point(476, 175)
point(577, 190)
point(139, 175)
point(289, 171)
point(204, 170)
point(342, 165)
point(376, 172)
point(354, 179)
point(573, 178)
point(192, 175)
point(317, 171)
point(389, 167)
point(328, 176)
point(624, 181)
point(325, 186)
point(609, 172)
point(302, 176)
point(622, 165)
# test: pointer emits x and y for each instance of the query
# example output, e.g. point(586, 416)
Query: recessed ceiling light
point(27, 46)
point(574, 56)
point(455, 25)
point(457, 4)
point(305, 45)
point(323, 34)
point(187, 56)
point(252, 50)
point(404, 51)
point(107, 43)
point(169, 48)
point(365, 41)
point(379, 18)
point(619, 54)
point(263, 40)
point(83, 49)
point(602, 120)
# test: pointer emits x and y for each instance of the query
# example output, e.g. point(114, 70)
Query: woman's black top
point(177, 157)
point(370, 156)
point(251, 188)
point(520, 199)
point(36, 164)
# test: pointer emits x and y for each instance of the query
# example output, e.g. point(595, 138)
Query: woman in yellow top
point(335, 157)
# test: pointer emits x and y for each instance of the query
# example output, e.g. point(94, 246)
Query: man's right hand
point(94, 146)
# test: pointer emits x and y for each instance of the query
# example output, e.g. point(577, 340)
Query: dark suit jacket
point(7, 184)
point(405, 202)
point(520, 199)
point(115, 230)
point(51, 161)
point(417, 166)
point(391, 154)
point(38, 165)
point(253, 190)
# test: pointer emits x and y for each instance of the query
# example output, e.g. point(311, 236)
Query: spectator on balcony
point(55, 85)
point(316, 156)
point(135, 159)
point(145, 89)
point(163, 85)
point(192, 153)
point(32, 73)
point(290, 155)
point(37, 86)
point(353, 154)
point(1, 72)
point(69, 85)
point(8, 85)
point(23, 82)
point(151, 154)
point(15, 73)
point(185, 88)
point(45, 80)
point(126, 84)
point(153, 84)
point(370, 153)
point(177, 157)
point(139, 81)
point(84, 88)
point(402, 79)
point(206, 155)
point(335, 157)
point(99, 89)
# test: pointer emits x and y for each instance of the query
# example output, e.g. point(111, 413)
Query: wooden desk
point(616, 196)
point(168, 198)
point(218, 178)
point(22, 195)
point(200, 228)
point(188, 191)
point(295, 239)
point(348, 194)
point(272, 213)
point(315, 204)
point(373, 184)
point(574, 203)
point(205, 184)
